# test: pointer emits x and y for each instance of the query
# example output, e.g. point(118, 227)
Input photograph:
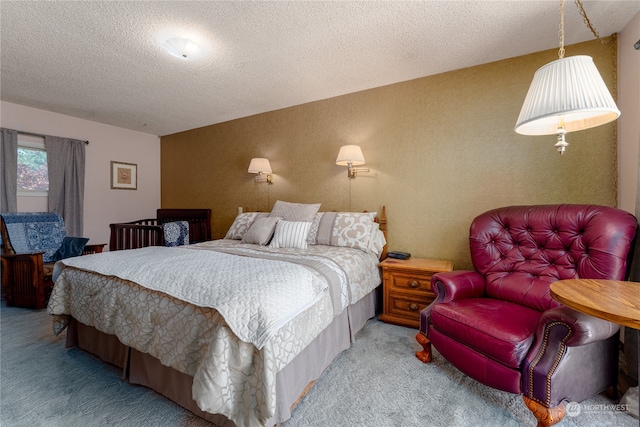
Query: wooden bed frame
point(292, 382)
point(148, 232)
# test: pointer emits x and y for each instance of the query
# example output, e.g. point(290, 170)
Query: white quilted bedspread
point(255, 296)
point(230, 375)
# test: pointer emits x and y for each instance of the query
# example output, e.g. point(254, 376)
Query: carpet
point(376, 383)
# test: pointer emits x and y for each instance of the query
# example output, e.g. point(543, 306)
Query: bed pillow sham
point(348, 229)
point(294, 211)
point(242, 223)
point(291, 234)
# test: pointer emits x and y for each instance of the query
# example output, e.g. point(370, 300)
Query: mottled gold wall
point(441, 150)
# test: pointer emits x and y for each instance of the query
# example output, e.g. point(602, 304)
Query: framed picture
point(124, 176)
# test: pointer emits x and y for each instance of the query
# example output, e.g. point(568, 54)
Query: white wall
point(102, 205)
point(629, 121)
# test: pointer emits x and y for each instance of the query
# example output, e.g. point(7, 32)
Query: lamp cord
point(350, 179)
point(611, 42)
point(587, 22)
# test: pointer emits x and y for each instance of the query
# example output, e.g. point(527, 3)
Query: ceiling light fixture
point(182, 48)
point(566, 95)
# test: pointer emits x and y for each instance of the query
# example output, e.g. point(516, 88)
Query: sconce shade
point(568, 94)
point(350, 155)
point(259, 165)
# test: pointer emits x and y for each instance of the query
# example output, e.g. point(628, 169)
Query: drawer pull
point(413, 307)
point(414, 284)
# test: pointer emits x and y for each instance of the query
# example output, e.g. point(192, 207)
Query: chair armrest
point(93, 248)
point(450, 286)
point(25, 266)
point(584, 329)
point(35, 256)
point(572, 352)
point(458, 284)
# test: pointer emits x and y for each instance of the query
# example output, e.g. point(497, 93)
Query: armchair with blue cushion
point(31, 244)
point(499, 324)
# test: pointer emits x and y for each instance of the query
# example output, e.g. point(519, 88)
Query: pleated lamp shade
point(568, 90)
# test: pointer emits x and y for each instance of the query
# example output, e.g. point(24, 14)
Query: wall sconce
point(566, 95)
point(350, 156)
point(261, 166)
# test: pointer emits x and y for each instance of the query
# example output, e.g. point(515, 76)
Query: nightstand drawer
point(407, 305)
point(404, 309)
point(407, 288)
point(409, 281)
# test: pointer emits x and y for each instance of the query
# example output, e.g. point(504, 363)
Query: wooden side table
point(611, 300)
point(407, 288)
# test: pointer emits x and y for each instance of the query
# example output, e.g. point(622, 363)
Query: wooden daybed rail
point(148, 232)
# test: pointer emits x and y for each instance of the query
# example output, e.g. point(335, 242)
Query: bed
point(245, 354)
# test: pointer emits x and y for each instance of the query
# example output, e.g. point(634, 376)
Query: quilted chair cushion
point(35, 232)
point(176, 233)
point(501, 330)
point(520, 250)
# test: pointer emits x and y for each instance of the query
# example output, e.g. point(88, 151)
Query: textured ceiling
point(103, 60)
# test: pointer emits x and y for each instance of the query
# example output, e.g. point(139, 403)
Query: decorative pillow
point(261, 230)
point(348, 229)
point(291, 234)
point(71, 247)
point(242, 223)
point(176, 233)
point(294, 211)
point(313, 230)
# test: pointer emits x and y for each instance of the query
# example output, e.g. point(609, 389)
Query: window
point(33, 178)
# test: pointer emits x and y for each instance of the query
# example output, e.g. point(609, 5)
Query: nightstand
point(407, 288)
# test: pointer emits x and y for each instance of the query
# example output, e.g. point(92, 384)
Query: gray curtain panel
point(9, 175)
point(66, 163)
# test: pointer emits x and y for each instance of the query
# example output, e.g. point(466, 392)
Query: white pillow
point(377, 240)
point(294, 211)
point(291, 234)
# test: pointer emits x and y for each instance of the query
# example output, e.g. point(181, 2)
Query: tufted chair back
point(521, 250)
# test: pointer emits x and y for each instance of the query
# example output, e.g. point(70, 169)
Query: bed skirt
point(291, 382)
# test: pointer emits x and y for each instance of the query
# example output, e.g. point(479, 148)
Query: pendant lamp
point(566, 95)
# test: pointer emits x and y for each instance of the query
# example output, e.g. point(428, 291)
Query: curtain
point(66, 163)
point(9, 175)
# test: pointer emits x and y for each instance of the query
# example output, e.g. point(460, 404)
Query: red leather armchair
point(499, 325)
